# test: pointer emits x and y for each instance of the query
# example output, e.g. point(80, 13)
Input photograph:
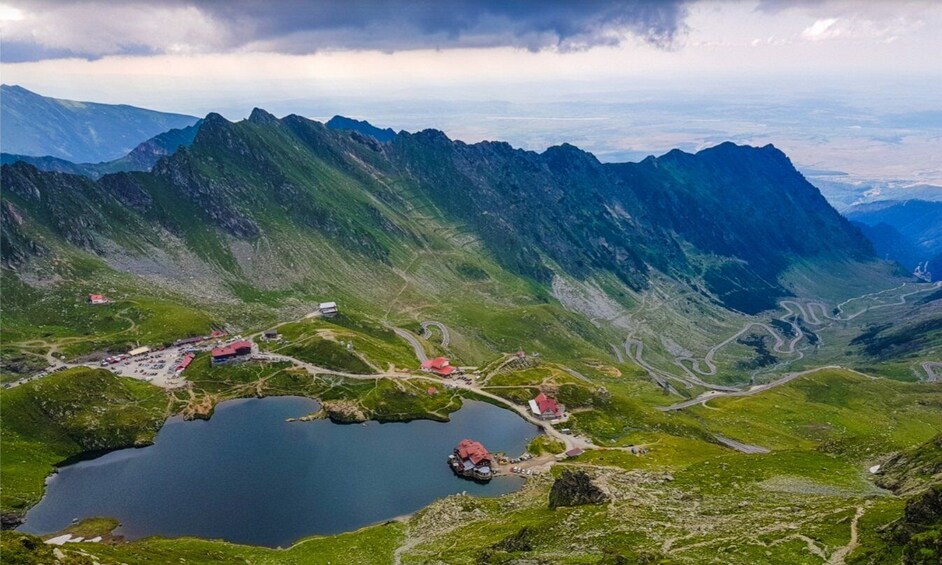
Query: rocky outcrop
point(913, 470)
point(343, 412)
point(575, 488)
point(9, 520)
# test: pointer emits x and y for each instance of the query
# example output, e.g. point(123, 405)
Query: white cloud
point(821, 29)
point(10, 14)
point(97, 29)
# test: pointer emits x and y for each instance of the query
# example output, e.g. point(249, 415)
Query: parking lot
point(155, 367)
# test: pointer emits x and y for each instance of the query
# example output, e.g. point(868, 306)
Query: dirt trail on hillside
point(837, 558)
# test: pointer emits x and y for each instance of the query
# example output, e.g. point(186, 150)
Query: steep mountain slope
point(77, 131)
point(728, 220)
point(890, 244)
point(918, 223)
point(515, 248)
point(141, 158)
point(725, 217)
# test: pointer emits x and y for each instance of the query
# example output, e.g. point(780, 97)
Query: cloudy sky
point(645, 74)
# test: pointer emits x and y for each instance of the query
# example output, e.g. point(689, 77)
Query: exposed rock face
point(343, 412)
point(921, 528)
point(913, 470)
point(575, 489)
point(925, 509)
point(9, 520)
point(520, 541)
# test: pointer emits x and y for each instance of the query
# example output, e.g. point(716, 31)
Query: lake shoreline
point(350, 463)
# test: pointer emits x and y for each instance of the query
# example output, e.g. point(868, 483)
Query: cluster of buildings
point(471, 460)
point(231, 352)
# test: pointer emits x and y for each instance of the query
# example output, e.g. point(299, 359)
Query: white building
point(328, 309)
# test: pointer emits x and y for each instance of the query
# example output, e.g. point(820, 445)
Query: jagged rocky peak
point(362, 127)
point(569, 158)
point(259, 116)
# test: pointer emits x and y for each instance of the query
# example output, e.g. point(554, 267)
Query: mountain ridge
point(81, 132)
point(535, 214)
point(906, 231)
point(142, 158)
point(361, 126)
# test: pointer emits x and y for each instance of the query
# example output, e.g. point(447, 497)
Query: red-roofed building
point(187, 359)
point(97, 299)
point(432, 391)
point(545, 407)
point(472, 460)
point(236, 350)
point(440, 366)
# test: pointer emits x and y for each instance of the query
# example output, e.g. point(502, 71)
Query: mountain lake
point(249, 476)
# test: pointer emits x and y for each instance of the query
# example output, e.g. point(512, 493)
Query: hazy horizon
point(836, 85)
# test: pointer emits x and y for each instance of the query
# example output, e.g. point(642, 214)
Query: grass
point(15, 363)
point(374, 544)
point(328, 354)
point(545, 444)
point(834, 411)
point(372, 344)
point(716, 503)
point(48, 421)
point(62, 315)
point(382, 399)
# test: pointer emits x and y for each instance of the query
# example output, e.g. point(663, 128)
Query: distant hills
point(908, 232)
point(295, 196)
point(80, 132)
point(141, 158)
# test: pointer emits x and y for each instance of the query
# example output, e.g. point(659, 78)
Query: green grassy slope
point(48, 421)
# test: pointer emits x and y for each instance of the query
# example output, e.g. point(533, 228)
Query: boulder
point(575, 488)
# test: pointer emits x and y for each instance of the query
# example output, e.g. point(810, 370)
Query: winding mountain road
point(693, 369)
point(414, 342)
point(427, 332)
point(755, 389)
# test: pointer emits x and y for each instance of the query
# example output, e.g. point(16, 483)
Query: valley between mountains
point(744, 379)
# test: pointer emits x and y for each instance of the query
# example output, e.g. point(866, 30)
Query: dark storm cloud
point(298, 27)
point(531, 24)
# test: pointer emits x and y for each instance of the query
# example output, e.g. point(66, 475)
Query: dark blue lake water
point(248, 476)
